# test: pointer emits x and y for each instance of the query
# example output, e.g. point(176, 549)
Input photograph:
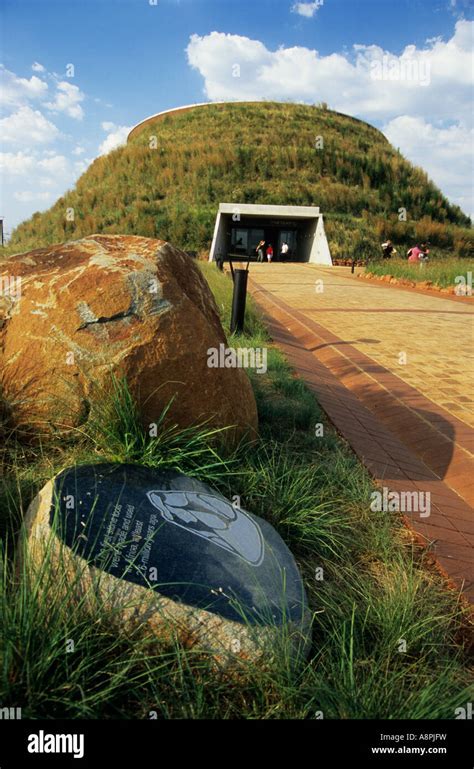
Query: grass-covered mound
point(387, 634)
point(168, 180)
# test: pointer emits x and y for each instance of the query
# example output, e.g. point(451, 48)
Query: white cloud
point(55, 165)
point(42, 161)
point(14, 164)
point(432, 84)
point(348, 82)
point(30, 196)
point(445, 153)
point(32, 180)
point(27, 127)
point(67, 100)
point(116, 137)
point(41, 168)
point(16, 91)
point(307, 9)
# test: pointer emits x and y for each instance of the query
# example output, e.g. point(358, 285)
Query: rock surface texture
point(108, 304)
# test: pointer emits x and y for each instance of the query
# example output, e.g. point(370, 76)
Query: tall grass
point(387, 637)
point(355, 669)
point(116, 432)
point(441, 272)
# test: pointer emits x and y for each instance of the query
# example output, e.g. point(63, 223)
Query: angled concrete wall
point(320, 252)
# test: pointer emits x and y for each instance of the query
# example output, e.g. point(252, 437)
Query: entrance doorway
point(288, 237)
point(244, 241)
point(240, 227)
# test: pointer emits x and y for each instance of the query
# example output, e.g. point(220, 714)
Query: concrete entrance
point(240, 227)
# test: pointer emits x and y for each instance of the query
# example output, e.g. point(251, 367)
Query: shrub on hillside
point(366, 246)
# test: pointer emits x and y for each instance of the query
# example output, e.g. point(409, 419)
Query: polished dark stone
point(177, 536)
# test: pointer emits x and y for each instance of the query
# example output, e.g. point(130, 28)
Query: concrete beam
point(255, 209)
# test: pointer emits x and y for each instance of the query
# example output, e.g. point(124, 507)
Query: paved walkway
point(394, 370)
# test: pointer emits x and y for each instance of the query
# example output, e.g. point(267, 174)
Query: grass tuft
point(116, 433)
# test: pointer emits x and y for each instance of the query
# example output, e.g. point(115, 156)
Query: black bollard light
point(238, 300)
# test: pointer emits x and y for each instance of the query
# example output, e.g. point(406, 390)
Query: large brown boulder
point(73, 315)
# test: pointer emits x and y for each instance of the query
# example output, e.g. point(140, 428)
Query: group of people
point(418, 253)
point(261, 252)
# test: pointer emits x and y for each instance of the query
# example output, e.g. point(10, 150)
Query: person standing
point(269, 253)
point(284, 252)
point(388, 249)
point(259, 251)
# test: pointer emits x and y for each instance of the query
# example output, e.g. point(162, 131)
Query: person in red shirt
point(270, 252)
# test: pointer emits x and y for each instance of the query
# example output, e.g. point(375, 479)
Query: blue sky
point(404, 65)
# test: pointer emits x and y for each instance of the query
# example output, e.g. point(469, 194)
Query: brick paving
point(411, 424)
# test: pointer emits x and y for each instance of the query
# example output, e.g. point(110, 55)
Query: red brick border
point(416, 289)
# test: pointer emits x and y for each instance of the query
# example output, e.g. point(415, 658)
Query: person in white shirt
point(284, 251)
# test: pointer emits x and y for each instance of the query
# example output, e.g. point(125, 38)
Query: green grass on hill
point(168, 181)
point(441, 272)
point(369, 586)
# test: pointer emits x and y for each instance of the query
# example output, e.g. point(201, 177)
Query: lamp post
point(239, 298)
